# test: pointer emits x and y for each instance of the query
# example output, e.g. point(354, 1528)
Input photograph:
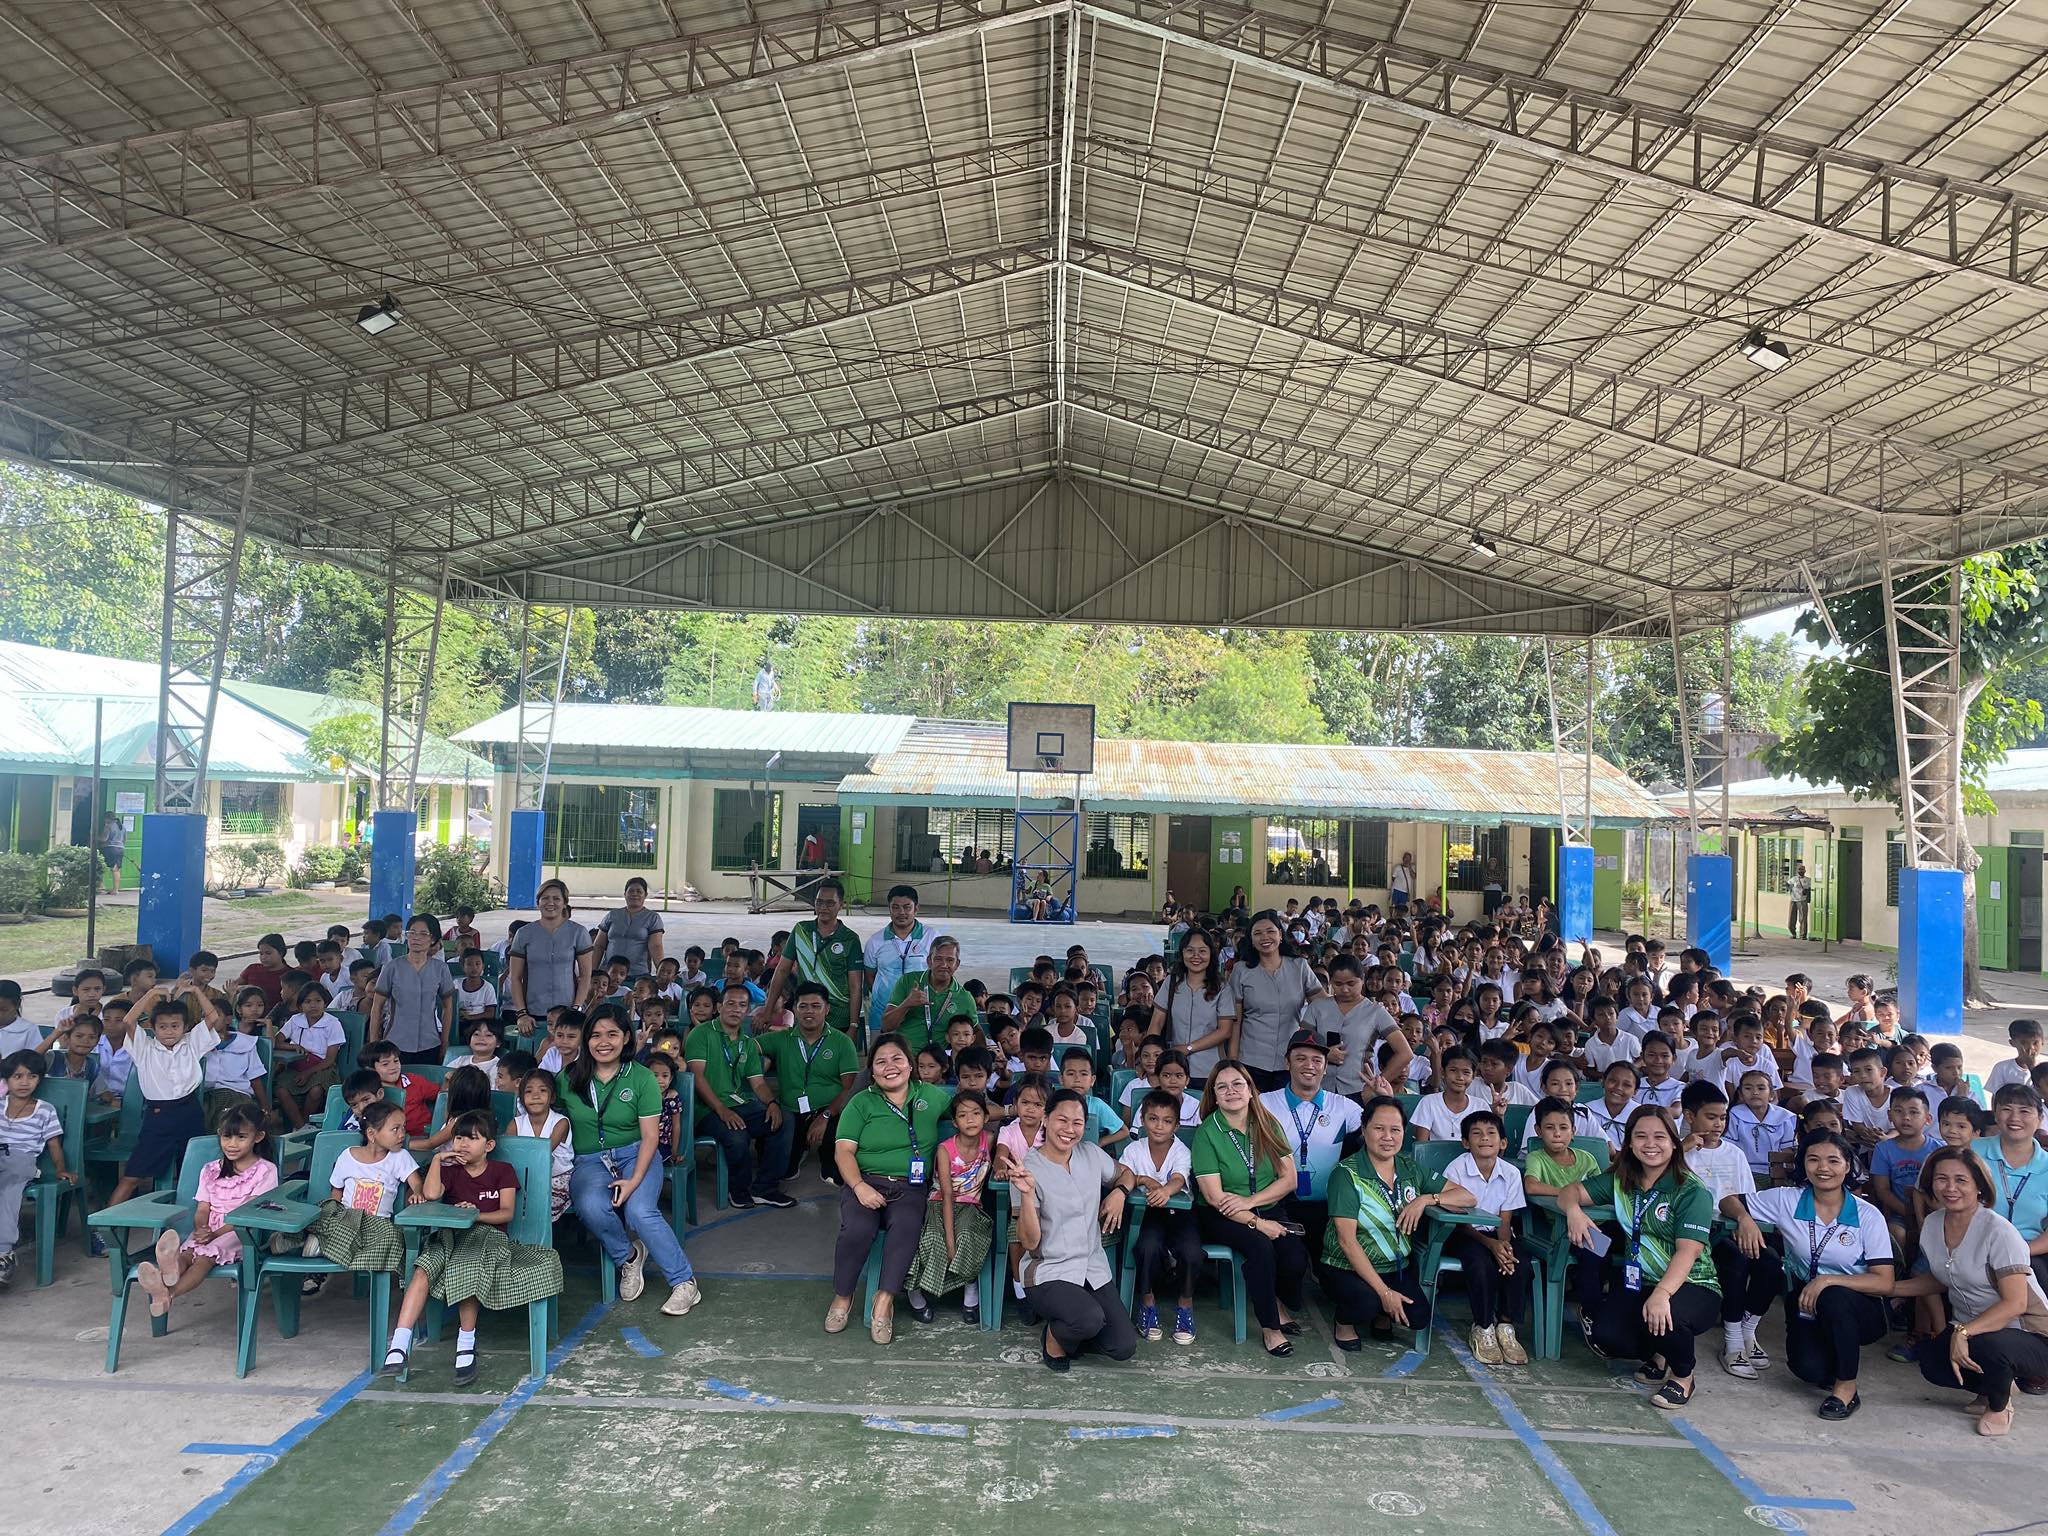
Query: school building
point(262, 786)
point(1854, 849)
point(690, 797)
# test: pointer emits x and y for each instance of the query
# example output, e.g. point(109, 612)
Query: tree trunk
point(1972, 996)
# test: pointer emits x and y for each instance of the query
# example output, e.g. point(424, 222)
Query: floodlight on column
point(1482, 545)
point(637, 529)
point(376, 319)
point(1766, 353)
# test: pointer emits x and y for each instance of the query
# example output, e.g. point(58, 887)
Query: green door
point(857, 848)
point(123, 797)
point(1608, 846)
point(1233, 860)
point(1994, 924)
point(445, 809)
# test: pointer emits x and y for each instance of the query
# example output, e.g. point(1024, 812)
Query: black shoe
point(465, 1368)
point(971, 1316)
point(1382, 1329)
point(1834, 1410)
point(1349, 1346)
point(1291, 1329)
point(740, 1202)
point(1026, 1313)
point(775, 1198)
point(2033, 1386)
point(1060, 1364)
point(1281, 1350)
point(923, 1314)
point(394, 1362)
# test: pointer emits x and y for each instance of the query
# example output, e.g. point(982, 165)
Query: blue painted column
point(172, 900)
point(1575, 892)
point(1931, 950)
point(392, 859)
point(1710, 906)
point(526, 833)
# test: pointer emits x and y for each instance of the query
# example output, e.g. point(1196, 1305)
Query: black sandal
point(1281, 1350)
point(1349, 1346)
point(465, 1367)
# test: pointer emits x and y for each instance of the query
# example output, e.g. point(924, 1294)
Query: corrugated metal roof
point(701, 732)
point(441, 761)
point(962, 763)
point(2024, 772)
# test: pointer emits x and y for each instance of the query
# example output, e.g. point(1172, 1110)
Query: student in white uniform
point(1838, 1257)
point(1495, 1269)
point(1441, 1116)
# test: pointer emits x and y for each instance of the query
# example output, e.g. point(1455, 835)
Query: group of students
point(1262, 1086)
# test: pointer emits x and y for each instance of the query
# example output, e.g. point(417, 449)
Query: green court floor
point(745, 1416)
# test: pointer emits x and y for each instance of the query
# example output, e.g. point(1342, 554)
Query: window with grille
point(1894, 861)
point(609, 825)
point(954, 838)
point(1776, 859)
point(250, 810)
point(1119, 847)
point(746, 828)
point(1367, 846)
point(1473, 855)
point(1307, 850)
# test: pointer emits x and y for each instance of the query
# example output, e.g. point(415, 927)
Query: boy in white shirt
point(1498, 1088)
point(1159, 1161)
point(16, 1033)
point(169, 1063)
point(2025, 1035)
point(1608, 1043)
point(1867, 1103)
point(1749, 1282)
point(1746, 1052)
point(1496, 1272)
point(475, 998)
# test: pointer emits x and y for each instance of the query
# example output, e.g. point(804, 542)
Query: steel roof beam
point(1992, 235)
point(73, 198)
point(1816, 459)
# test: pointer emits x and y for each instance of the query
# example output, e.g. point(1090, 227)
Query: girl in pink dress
point(245, 1172)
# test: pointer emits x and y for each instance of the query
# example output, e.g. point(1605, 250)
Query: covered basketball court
point(1600, 324)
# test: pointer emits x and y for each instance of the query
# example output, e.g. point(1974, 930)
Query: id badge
point(1632, 1277)
point(917, 1170)
point(1301, 1184)
point(803, 1103)
point(611, 1163)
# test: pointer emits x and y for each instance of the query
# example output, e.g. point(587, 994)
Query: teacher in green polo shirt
point(822, 949)
point(887, 1139)
point(613, 1105)
point(1243, 1175)
point(735, 1106)
point(1666, 1293)
point(814, 1066)
point(922, 1003)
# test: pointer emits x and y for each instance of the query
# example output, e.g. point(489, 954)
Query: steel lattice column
point(1709, 877)
point(202, 563)
point(543, 663)
point(412, 639)
point(1571, 677)
point(1923, 632)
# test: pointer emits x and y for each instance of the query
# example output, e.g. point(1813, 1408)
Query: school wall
point(940, 893)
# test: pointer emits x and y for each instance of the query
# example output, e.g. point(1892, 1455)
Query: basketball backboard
point(1052, 738)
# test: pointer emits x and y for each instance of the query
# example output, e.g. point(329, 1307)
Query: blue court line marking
point(640, 1344)
point(1744, 1484)
point(442, 1478)
point(1407, 1365)
point(906, 1427)
point(740, 1394)
point(1125, 1432)
point(1303, 1410)
point(265, 1458)
point(1547, 1461)
point(218, 1448)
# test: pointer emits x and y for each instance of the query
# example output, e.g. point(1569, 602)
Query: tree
point(1849, 736)
point(81, 567)
point(1638, 724)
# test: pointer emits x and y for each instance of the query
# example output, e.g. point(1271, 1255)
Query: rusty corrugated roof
point(956, 763)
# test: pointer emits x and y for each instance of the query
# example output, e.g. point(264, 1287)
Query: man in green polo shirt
point(814, 1066)
point(923, 1003)
point(824, 950)
point(734, 1105)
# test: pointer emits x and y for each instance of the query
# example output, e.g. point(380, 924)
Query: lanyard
point(904, 1114)
point(1643, 1202)
point(611, 1089)
point(1389, 1194)
point(1314, 1107)
point(2012, 1196)
point(1817, 1245)
point(1244, 1150)
point(809, 1056)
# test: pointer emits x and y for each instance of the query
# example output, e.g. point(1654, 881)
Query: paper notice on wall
point(129, 802)
point(1994, 890)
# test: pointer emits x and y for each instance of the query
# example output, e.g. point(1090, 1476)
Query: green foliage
point(452, 875)
point(19, 878)
point(81, 568)
point(1848, 736)
point(322, 862)
point(68, 874)
point(1639, 714)
point(339, 741)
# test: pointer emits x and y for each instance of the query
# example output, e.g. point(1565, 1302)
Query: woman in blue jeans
point(614, 1109)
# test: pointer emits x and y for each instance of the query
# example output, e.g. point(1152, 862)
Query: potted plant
point(17, 886)
point(68, 873)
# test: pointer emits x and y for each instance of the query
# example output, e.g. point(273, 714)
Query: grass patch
point(232, 927)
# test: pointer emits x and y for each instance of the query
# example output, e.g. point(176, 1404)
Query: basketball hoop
point(1051, 764)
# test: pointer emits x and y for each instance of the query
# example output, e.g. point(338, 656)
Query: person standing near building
point(824, 950)
point(767, 687)
point(902, 947)
point(1401, 884)
point(1800, 888)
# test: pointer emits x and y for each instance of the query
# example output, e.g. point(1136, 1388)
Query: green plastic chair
point(1436, 1156)
point(433, 1074)
point(1590, 1092)
point(531, 1159)
point(148, 1217)
point(1550, 1261)
point(54, 1200)
point(355, 1029)
point(112, 1150)
point(1515, 1123)
point(1228, 1264)
point(290, 1212)
point(503, 1107)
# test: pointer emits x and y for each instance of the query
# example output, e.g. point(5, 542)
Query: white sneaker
point(1736, 1363)
point(1511, 1351)
point(631, 1281)
point(1485, 1347)
point(681, 1299)
point(311, 1247)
